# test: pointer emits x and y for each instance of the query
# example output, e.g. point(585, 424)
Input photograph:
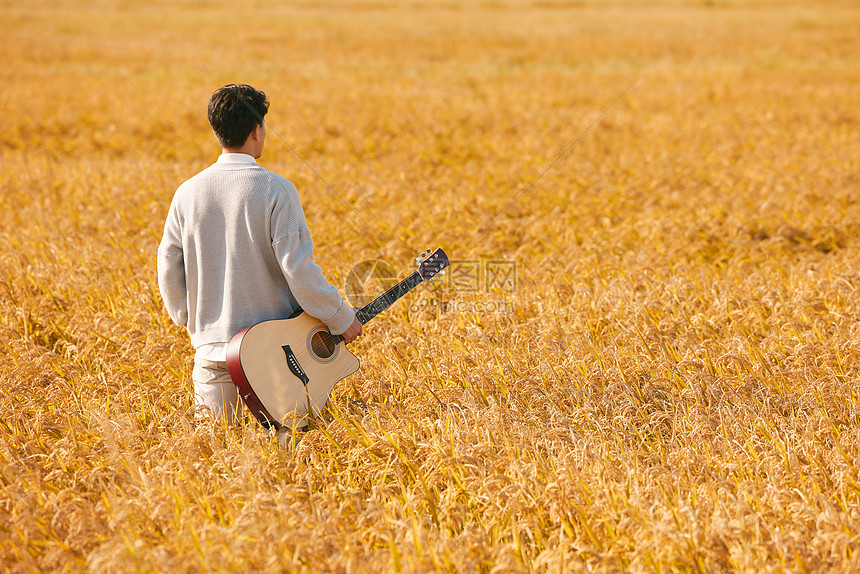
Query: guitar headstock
point(431, 264)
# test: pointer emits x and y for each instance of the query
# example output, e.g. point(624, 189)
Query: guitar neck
point(386, 300)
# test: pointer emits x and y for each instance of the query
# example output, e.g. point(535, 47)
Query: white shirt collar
point(236, 158)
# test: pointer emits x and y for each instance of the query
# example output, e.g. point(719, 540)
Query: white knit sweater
point(237, 250)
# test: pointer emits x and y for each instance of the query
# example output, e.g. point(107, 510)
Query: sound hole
point(322, 344)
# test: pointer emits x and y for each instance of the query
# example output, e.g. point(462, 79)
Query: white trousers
point(214, 388)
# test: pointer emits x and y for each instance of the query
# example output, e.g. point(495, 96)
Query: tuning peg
point(442, 272)
point(419, 259)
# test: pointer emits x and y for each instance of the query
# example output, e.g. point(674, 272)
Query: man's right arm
point(293, 247)
point(309, 286)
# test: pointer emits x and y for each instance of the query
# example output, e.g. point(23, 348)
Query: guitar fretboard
point(386, 300)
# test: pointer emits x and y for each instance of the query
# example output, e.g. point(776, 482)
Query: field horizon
point(645, 357)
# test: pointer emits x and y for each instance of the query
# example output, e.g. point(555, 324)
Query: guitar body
point(285, 369)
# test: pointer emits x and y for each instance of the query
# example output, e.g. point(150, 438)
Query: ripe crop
point(645, 356)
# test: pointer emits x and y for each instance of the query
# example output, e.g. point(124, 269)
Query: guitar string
point(385, 300)
point(391, 296)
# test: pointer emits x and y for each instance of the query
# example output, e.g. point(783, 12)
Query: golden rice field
point(648, 363)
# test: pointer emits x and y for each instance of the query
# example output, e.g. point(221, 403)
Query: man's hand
point(352, 332)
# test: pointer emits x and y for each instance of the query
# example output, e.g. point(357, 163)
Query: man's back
point(239, 233)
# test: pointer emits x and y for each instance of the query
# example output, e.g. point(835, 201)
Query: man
point(237, 250)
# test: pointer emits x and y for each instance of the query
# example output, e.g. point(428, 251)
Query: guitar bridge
point(295, 367)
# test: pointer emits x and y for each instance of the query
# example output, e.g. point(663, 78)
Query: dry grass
point(675, 388)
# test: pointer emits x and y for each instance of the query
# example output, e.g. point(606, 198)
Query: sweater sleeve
point(171, 271)
point(294, 250)
point(310, 288)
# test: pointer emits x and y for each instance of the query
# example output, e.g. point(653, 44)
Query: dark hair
point(234, 111)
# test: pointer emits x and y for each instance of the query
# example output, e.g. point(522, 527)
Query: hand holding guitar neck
point(353, 331)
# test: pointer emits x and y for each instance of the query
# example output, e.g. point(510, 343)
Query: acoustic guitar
point(285, 369)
